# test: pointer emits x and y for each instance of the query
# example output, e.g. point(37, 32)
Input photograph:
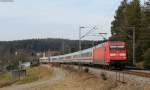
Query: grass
point(35, 74)
point(5, 79)
point(5, 76)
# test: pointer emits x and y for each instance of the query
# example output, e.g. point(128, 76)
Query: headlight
point(113, 54)
point(122, 54)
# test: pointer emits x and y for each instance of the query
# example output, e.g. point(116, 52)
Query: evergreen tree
point(126, 18)
point(144, 39)
point(118, 23)
point(147, 59)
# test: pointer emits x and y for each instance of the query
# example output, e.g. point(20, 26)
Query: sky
point(28, 19)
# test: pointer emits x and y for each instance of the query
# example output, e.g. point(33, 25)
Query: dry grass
point(81, 81)
point(140, 65)
point(35, 74)
point(4, 83)
point(5, 76)
point(75, 80)
point(5, 79)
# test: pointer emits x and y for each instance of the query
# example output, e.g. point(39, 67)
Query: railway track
point(137, 73)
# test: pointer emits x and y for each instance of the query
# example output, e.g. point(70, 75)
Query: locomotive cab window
point(112, 48)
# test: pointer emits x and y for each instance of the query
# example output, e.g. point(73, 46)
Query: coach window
point(54, 58)
point(90, 53)
point(75, 56)
point(87, 54)
point(68, 57)
point(61, 58)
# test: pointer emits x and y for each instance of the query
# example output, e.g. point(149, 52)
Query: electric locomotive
point(110, 53)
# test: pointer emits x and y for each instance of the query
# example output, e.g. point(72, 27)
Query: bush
point(103, 75)
point(86, 70)
point(12, 67)
point(146, 57)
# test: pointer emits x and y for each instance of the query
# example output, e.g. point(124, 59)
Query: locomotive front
point(118, 53)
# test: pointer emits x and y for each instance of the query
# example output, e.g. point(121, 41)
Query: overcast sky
point(27, 19)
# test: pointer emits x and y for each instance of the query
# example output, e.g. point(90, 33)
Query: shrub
point(86, 70)
point(146, 57)
point(103, 75)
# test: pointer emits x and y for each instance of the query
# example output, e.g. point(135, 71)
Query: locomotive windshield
point(117, 48)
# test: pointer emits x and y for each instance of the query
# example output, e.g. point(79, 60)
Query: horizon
point(44, 39)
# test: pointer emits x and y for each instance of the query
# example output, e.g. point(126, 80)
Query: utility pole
point(87, 34)
point(125, 14)
point(134, 60)
point(80, 47)
point(133, 43)
point(80, 37)
point(63, 46)
point(133, 30)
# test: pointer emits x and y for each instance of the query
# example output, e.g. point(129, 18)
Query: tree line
point(11, 52)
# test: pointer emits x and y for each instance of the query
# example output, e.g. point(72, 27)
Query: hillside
point(12, 51)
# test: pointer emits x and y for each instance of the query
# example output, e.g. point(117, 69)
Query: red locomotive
point(110, 53)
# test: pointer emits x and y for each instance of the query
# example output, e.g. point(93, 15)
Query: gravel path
point(58, 75)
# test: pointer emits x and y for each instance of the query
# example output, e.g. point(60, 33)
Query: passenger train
point(110, 53)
